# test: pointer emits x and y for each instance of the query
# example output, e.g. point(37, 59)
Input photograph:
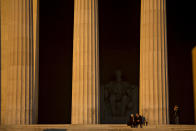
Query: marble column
point(153, 62)
point(85, 82)
point(19, 61)
point(194, 78)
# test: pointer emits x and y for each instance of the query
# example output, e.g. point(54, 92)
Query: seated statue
point(120, 98)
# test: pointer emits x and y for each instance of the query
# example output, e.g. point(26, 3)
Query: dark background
point(119, 25)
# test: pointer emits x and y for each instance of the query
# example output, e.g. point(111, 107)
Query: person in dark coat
point(131, 121)
point(138, 120)
point(176, 114)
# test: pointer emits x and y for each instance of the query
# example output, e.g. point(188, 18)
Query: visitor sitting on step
point(131, 121)
point(138, 120)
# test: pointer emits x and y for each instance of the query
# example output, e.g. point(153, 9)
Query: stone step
point(99, 127)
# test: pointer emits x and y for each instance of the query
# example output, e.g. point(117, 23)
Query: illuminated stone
point(153, 62)
point(85, 81)
point(19, 61)
point(194, 77)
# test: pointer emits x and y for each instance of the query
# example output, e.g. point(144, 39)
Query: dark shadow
point(181, 82)
point(55, 62)
point(181, 34)
point(119, 40)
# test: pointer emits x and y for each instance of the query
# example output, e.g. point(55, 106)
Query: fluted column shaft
point(19, 61)
point(85, 83)
point(153, 62)
point(194, 79)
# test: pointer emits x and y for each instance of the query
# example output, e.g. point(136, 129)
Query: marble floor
point(100, 127)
